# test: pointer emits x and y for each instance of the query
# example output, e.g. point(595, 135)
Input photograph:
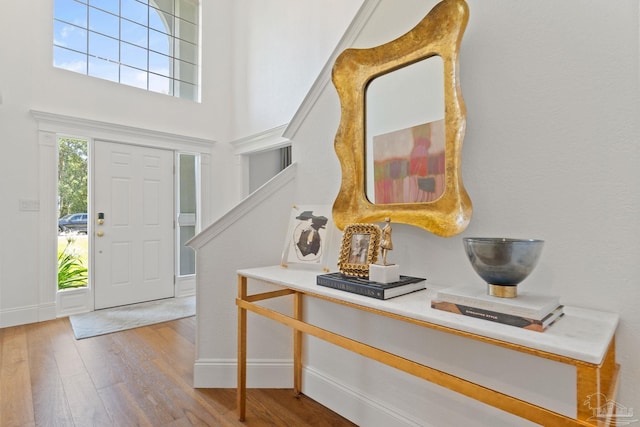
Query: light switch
point(29, 205)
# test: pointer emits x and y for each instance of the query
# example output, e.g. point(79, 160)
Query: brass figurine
point(386, 244)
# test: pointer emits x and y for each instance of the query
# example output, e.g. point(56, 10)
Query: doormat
point(116, 319)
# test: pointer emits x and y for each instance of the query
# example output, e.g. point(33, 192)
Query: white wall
point(28, 81)
point(280, 47)
point(551, 151)
point(263, 166)
point(551, 90)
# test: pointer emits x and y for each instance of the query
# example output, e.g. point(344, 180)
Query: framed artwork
point(408, 164)
point(360, 245)
point(308, 236)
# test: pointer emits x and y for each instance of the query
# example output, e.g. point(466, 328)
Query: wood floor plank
point(166, 386)
point(49, 399)
point(185, 327)
point(120, 376)
point(140, 377)
point(172, 347)
point(63, 346)
point(123, 408)
point(87, 408)
point(133, 360)
point(16, 408)
point(101, 357)
point(184, 389)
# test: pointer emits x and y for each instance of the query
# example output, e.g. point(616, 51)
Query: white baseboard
point(222, 373)
point(355, 405)
point(19, 316)
point(330, 392)
point(47, 311)
point(27, 314)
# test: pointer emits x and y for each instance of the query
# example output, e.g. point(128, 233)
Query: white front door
point(133, 246)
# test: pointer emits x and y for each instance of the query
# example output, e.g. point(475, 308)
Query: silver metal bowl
point(503, 262)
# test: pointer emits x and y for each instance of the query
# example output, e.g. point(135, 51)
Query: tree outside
point(72, 176)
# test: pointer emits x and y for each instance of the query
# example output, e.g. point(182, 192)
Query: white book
point(526, 304)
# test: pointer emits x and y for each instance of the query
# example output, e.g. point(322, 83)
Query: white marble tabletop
point(581, 334)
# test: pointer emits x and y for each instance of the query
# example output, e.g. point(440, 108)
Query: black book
point(361, 286)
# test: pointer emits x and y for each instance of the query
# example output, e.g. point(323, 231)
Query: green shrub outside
point(72, 272)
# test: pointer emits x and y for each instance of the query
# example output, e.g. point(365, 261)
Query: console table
point(583, 338)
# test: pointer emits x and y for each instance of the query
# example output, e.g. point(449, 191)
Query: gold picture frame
point(360, 246)
point(438, 34)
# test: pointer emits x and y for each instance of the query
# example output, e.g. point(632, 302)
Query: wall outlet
point(29, 205)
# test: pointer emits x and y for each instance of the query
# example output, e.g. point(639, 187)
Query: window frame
point(179, 76)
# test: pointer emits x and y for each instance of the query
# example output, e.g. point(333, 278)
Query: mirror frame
point(438, 34)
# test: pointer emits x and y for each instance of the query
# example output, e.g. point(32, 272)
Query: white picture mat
point(308, 236)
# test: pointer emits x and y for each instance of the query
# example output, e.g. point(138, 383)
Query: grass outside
point(76, 244)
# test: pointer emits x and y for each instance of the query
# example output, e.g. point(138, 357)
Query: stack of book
point(528, 310)
point(366, 287)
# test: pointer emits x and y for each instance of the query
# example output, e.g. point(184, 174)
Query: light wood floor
point(140, 377)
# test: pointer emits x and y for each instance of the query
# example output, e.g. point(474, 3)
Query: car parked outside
point(73, 222)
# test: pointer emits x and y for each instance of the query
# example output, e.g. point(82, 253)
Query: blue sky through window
point(130, 41)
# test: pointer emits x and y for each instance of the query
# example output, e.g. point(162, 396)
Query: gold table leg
point(297, 345)
point(597, 385)
point(242, 350)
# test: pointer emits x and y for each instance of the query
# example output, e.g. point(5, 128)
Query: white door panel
point(134, 254)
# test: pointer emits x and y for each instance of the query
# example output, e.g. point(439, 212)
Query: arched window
point(150, 44)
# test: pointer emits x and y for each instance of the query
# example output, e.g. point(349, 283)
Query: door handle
point(100, 233)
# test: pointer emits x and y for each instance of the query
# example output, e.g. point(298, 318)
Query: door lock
point(100, 218)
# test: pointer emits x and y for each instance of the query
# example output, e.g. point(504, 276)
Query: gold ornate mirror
point(403, 120)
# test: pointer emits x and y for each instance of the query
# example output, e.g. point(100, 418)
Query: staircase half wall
point(251, 234)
